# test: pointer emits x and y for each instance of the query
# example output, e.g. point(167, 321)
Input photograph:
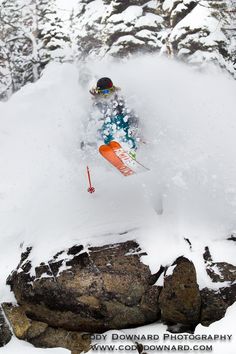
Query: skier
point(118, 122)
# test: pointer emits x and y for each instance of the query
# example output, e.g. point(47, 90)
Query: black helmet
point(104, 83)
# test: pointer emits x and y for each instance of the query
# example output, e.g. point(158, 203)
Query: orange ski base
point(108, 153)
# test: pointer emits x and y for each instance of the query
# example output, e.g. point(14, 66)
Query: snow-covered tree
point(117, 27)
point(32, 34)
point(198, 33)
point(5, 72)
point(229, 29)
point(35, 32)
point(52, 33)
point(9, 16)
point(18, 52)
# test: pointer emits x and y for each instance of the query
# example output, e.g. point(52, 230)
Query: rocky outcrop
point(41, 335)
point(5, 332)
point(107, 287)
point(180, 300)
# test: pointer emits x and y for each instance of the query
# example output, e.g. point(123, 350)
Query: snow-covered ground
point(188, 126)
point(16, 346)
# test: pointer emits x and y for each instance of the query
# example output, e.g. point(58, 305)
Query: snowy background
point(188, 126)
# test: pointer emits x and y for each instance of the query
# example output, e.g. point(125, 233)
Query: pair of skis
point(120, 159)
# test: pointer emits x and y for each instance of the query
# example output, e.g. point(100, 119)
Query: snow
point(16, 346)
point(152, 4)
point(149, 20)
point(119, 27)
point(65, 4)
point(188, 126)
point(146, 34)
point(128, 38)
point(127, 16)
point(168, 4)
point(179, 8)
point(199, 18)
point(95, 11)
point(170, 270)
point(228, 326)
point(49, 142)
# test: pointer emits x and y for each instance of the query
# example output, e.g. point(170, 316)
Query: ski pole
point(91, 189)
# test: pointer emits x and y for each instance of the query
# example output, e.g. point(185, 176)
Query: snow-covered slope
point(188, 126)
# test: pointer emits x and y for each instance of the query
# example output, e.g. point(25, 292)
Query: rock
point(22, 326)
point(213, 306)
point(58, 337)
point(221, 272)
point(180, 300)
point(232, 238)
point(107, 288)
point(5, 332)
point(41, 335)
point(229, 294)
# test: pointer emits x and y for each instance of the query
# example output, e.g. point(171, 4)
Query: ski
point(119, 158)
point(126, 158)
point(108, 153)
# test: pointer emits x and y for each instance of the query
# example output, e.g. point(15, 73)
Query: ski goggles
point(107, 91)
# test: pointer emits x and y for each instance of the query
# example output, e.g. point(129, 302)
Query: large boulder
point(180, 300)
point(213, 306)
point(103, 288)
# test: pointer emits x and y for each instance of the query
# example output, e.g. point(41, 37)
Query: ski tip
point(103, 148)
point(114, 144)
